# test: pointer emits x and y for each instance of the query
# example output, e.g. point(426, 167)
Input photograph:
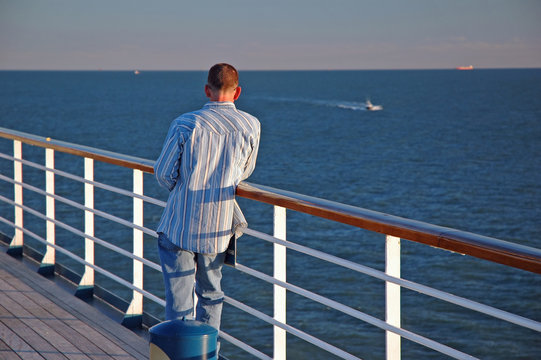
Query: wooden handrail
point(495, 250)
point(80, 150)
point(503, 252)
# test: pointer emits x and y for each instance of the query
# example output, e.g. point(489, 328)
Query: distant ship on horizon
point(469, 67)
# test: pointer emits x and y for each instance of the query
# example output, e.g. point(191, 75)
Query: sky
point(269, 34)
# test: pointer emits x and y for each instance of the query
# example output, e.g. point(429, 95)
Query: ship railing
point(393, 228)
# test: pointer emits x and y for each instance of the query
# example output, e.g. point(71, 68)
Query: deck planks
point(40, 320)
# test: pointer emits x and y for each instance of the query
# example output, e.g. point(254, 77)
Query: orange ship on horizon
point(470, 67)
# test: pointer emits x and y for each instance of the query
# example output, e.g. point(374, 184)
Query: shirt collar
point(220, 104)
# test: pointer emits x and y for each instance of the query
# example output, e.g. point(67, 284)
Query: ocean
point(460, 149)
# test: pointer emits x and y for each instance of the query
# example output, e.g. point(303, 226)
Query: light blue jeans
point(181, 270)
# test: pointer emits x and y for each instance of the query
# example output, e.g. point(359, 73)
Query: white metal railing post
point(134, 314)
point(86, 285)
point(279, 291)
point(392, 296)
point(16, 245)
point(47, 263)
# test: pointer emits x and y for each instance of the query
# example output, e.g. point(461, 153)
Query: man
point(205, 155)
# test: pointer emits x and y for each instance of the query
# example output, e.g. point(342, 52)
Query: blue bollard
point(183, 340)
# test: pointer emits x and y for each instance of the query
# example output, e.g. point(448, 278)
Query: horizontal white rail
point(358, 315)
point(442, 295)
point(108, 274)
point(82, 234)
point(76, 205)
point(244, 346)
point(311, 339)
point(85, 181)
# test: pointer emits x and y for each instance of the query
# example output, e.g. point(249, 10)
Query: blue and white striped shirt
point(206, 154)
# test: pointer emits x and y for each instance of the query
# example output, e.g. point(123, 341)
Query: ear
point(238, 90)
point(208, 91)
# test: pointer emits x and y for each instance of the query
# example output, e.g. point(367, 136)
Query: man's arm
point(166, 168)
point(250, 162)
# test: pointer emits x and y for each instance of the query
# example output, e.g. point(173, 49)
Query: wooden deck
point(41, 320)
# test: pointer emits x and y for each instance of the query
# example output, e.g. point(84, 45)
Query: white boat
point(370, 107)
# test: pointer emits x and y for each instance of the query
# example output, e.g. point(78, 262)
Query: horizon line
point(292, 69)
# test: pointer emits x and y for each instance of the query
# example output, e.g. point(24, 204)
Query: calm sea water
point(458, 149)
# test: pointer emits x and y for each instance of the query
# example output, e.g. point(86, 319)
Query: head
point(223, 83)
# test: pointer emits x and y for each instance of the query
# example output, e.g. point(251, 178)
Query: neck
point(221, 98)
point(227, 95)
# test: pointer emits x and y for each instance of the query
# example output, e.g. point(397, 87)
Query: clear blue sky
point(269, 34)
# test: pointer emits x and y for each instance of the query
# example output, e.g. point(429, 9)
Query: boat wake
point(346, 105)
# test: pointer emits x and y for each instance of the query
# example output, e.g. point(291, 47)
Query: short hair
point(223, 76)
